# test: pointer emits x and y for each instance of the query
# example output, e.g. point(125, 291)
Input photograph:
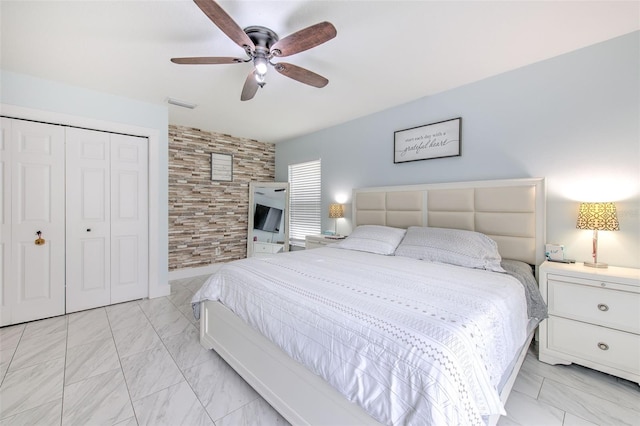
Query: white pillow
point(454, 246)
point(373, 239)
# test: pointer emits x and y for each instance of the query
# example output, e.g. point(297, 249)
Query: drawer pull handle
point(603, 307)
point(603, 346)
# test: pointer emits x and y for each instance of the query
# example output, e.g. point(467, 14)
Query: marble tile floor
point(140, 363)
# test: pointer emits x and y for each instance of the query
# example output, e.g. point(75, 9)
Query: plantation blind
point(304, 200)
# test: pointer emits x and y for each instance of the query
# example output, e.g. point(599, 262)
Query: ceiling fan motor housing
point(262, 37)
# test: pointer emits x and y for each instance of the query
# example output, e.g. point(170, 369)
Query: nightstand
point(594, 318)
point(316, 241)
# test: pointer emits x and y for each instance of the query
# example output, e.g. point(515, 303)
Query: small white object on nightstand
point(594, 318)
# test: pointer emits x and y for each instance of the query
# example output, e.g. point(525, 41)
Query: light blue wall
point(38, 94)
point(573, 119)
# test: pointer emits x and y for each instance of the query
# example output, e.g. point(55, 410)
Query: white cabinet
point(86, 192)
point(264, 249)
point(594, 318)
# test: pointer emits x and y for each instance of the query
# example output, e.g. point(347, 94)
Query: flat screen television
point(267, 218)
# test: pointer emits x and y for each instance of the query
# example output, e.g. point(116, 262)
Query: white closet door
point(36, 279)
point(5, 220)
point(88, 219)
point(129, 218)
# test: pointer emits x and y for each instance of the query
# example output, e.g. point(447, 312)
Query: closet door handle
point(39, 241)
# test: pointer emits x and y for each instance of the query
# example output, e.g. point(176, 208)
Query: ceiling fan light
point(261, 65)
point(259, 78)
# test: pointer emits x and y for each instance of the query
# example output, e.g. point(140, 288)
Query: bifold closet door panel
point(88, 219)
point(129, 218)
point(33, 272)
point(5, 221)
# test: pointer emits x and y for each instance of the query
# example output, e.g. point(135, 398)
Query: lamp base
point(596, 264)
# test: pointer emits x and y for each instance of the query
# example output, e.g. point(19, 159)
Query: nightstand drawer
point(596, 344)
point(269, 248)
point(261, 248)
point(602, 306)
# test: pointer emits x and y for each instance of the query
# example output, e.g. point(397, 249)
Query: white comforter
point(411, 342)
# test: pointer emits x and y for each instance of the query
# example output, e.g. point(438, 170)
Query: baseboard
point(179, 274)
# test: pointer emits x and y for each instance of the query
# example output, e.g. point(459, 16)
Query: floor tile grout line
point(15, 350)
point(564, 417)
point(64, 368)
point(575, 414)
point(523, 395)
point(174, 360)
point(126, 383)
point(214, 421)
point(540, 388)
point(63, 357)
point(599, 396)
point(568, 383)
point(35, 365)
point(237, 409)
point(229, 413)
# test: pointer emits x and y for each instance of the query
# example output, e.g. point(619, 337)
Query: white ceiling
point(386, 52)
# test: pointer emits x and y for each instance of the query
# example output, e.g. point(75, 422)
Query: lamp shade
point(336, 211)
point(598, 217)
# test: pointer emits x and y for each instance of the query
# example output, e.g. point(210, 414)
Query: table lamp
point(336, 211)
point(597, 217)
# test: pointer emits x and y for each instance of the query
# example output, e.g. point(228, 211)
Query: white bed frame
point(511, 211)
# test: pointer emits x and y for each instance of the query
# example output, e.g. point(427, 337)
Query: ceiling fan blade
point(304, 39)
point(207, 60)
point(223, 21)
point(302, 75)
point(250, 87)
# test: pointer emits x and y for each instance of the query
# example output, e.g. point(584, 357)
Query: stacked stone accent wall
point(208, 219)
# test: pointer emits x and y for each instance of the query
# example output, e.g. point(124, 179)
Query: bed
point(471, 360)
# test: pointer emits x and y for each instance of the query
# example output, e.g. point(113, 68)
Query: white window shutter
point(304, 200)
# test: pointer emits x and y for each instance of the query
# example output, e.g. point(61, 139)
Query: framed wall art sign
point(436, 140)
point(222, 167)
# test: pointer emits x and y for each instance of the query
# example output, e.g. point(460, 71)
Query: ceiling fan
point(261, 46)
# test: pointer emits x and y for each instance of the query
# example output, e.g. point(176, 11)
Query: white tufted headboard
point(511, 212)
